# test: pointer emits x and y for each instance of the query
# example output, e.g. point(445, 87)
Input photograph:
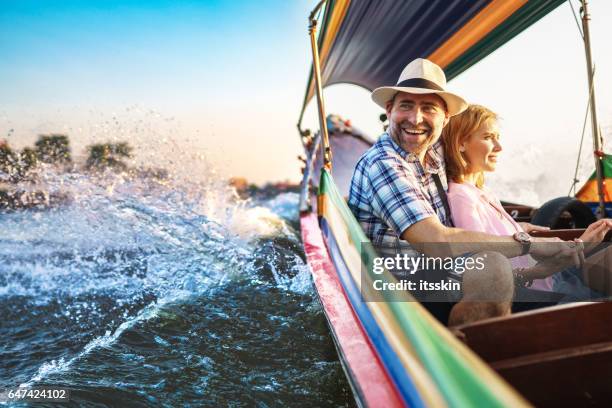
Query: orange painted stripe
point(475, 30)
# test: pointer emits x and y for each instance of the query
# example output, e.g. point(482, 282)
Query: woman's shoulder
point(463, 190)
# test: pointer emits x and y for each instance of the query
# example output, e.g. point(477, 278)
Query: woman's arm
point(529, 228)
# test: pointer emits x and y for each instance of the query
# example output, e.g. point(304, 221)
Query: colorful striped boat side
point(402, 331)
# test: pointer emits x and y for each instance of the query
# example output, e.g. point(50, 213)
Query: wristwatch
point(524, 239)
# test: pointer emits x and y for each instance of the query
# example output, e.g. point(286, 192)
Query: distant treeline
point(55, 149)
point(268, 190)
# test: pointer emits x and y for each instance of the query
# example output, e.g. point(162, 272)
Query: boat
point(393, 351)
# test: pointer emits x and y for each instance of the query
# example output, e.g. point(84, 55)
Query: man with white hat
point(398, 196)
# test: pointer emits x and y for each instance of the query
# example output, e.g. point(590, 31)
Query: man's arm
point(425, 234)
point(397, 200)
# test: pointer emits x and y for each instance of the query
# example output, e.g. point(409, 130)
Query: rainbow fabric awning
point(369, 42)
point(588, 192)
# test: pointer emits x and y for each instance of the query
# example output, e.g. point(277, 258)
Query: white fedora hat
point(421, 76)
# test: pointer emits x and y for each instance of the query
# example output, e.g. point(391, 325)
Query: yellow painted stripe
point(335, 20)
point(475, 30)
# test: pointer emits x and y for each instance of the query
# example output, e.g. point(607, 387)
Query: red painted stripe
point(367, 371)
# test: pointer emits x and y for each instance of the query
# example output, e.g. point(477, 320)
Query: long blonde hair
point(458, 130)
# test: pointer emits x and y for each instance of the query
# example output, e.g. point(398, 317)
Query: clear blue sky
point(227, 78)
point(227, 72)
point(166, 52)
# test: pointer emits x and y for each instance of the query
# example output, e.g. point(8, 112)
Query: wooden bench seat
point(557, 356)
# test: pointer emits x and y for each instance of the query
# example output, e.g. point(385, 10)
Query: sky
point(226, 79)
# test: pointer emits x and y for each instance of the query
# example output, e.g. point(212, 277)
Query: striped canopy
point(369, 42)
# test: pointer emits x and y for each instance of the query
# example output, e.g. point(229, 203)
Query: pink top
point(477, 209)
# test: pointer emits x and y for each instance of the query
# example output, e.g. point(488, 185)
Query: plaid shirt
point(391, 190)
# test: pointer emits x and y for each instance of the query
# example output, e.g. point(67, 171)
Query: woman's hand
point(562, 252)
point(596, 232)
point(544, 269)
point(529, 228)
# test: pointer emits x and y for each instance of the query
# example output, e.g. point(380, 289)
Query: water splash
point(158, 286)
point(130, 245)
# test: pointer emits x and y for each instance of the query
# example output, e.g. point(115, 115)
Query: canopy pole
point(597, 143)
point(312, 29)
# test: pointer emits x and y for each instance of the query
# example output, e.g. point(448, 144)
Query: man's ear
point(446, 119)
point(389, 107)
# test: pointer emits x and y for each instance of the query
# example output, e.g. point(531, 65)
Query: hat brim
point(454, 103)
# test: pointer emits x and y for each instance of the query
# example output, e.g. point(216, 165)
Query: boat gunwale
point(358, 357)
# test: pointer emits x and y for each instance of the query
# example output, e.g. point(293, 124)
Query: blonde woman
point(472, 147)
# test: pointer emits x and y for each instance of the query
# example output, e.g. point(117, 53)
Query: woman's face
point(482, 147)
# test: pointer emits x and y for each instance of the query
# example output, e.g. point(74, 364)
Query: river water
point(150, 292)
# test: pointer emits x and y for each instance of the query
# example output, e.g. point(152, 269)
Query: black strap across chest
point(443, 197)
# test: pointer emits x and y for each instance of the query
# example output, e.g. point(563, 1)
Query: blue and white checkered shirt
point(390, 191)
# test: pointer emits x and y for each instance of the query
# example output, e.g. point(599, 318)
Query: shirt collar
point(434, 157)
point(481, 192)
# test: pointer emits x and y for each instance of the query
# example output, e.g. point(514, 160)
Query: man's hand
point(563, 251)
point(544, 269)
point(529, 228)
point(596, 232)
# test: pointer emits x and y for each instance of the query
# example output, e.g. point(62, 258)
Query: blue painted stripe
point(389, 358)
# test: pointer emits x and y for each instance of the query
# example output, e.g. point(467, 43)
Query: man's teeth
point(414, 131)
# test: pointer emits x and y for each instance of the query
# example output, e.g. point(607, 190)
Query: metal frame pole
point(325, 149)
point(597, 143)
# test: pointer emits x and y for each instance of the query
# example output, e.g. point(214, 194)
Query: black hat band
point(420, 83)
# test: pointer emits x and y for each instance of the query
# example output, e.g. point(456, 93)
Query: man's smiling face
point(416, 120)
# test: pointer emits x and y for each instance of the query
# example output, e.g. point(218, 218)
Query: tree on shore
point(9, 163)
point(53, 149)
point(108, 155)
point(28, 160)
point(15, 166)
